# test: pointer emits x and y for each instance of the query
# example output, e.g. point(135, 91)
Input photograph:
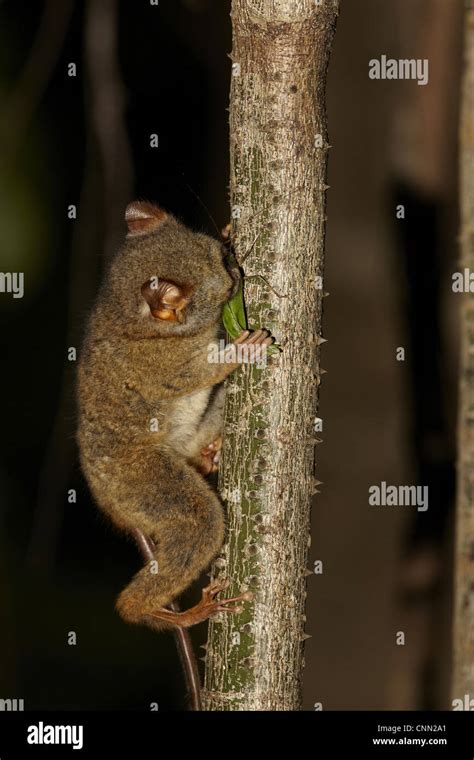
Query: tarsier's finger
point(242, 337)
point(255, 337)
point(263, 341)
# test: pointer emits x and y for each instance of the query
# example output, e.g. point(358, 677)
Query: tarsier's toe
point(225, 605)
point(236, 609)
point(209, 592)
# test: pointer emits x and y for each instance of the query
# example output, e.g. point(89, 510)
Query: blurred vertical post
point(279, 147)
point(463, 674)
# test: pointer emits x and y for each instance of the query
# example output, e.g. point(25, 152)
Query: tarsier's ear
point(142, 217)
point(167, 300)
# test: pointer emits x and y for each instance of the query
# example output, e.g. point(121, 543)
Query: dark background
point(61, 564)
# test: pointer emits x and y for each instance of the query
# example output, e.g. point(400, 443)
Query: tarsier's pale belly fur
point(187, 413)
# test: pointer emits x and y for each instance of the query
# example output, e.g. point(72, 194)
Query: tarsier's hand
point(249, 347)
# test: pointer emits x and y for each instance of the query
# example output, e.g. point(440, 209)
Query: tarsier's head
point(166, 280)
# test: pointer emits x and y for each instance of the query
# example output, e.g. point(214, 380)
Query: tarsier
point(150, 408)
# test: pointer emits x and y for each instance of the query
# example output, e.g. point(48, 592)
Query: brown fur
point(136, 367)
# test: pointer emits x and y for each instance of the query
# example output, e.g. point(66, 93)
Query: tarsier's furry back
point(148, 422)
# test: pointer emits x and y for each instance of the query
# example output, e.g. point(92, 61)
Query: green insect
point(234, 314)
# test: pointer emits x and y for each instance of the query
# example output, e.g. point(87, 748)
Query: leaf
point(233, 314)
point(274, 349)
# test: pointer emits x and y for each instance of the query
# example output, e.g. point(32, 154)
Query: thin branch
point(463, 633)
point(60, 450)
point(19, 106)
point(84, 269)
point(107, 107)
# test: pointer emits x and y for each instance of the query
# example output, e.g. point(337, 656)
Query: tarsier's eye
point(167, 299)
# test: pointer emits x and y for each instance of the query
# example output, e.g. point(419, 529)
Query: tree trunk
point(278, 196)
point(463, 677)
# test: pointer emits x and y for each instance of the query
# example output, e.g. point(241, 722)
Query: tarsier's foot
point(210, 456)
point(206, 608)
